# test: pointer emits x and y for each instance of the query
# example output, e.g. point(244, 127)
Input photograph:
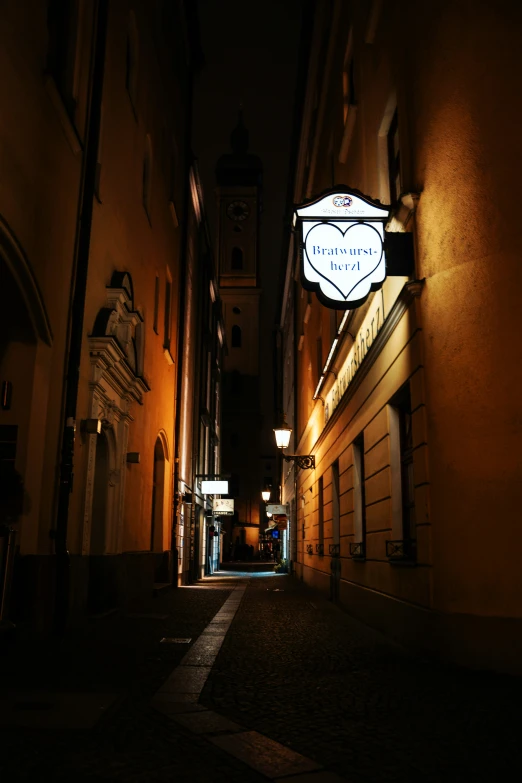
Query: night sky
point(250, 58)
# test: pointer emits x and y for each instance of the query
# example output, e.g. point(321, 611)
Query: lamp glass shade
point(269, 514)
point(265, 494)
point(282, 436)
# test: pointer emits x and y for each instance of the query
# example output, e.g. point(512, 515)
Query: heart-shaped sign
point(346, 262)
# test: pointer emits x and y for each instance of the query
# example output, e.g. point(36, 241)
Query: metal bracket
point(399, 254)
point(302, 461)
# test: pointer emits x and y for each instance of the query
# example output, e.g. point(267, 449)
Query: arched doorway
point(101, 586)
point(161, 557)
point(99, 497)
point(158, 493)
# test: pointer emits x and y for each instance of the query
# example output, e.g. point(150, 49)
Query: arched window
point(236, 336)
point(147, 175)
point(237, 258)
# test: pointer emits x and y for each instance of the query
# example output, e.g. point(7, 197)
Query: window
point(236, 336)
point(402, 478)
point(131, 72)
point(349, 100)
point(394, 159)
point(348, 88)
point(156, 303)
point(336, 508)
point(236, 258)
point(97, 174)
point(62, 23)
point(147, 175)
point(359, 500)
point(403, 406)
point(320, 517)
point(168, 300)
point(319, 354)
point(173, 174)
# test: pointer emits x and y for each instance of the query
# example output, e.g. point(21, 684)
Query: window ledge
point(65, 121)
point(168, 355)
point(401, 552)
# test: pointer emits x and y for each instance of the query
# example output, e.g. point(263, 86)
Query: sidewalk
point(275, 683)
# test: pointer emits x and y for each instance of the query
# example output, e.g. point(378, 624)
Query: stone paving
point(276, 683)
point(304, 673)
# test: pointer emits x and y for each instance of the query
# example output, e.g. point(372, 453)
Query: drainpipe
point(177, 502)
point(79, 284)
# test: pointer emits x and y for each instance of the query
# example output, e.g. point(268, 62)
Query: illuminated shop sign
point(364, 338)
point(342, 247)
point(214, 487)
point(223, 506)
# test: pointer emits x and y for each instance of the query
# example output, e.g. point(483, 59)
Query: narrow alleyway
point(257, 678)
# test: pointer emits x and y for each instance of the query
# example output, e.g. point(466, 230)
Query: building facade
point(100, 211)
point(409, 402)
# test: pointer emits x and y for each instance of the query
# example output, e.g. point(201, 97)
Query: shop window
point(237, 258)
point(394, 159)
point(236, 336)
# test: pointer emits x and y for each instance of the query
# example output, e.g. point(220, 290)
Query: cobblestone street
point(276, 683)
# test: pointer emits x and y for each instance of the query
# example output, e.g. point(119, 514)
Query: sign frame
point(367, 212)
point(214, 487)
point(223, 507)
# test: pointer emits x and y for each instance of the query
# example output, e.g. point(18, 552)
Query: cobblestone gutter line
point(178, 700)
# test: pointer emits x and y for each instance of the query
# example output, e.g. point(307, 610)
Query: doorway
point(101, 586)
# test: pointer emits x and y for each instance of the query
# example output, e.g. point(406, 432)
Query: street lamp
point(282, 436)
point(265, 494)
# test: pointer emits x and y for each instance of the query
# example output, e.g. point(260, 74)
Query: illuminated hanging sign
point(223, 506)
point(214, 487)
point(342, 247)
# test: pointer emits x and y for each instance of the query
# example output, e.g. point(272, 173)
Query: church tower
point(239, 180)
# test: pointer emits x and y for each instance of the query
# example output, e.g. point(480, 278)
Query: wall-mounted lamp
point(133, 457)
point(282, 436)
point(269, 514)
point(91, 426)
point(265, 494)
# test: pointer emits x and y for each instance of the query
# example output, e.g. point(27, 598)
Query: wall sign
point(223, 506)
point(342, 247)
point(364, 338)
